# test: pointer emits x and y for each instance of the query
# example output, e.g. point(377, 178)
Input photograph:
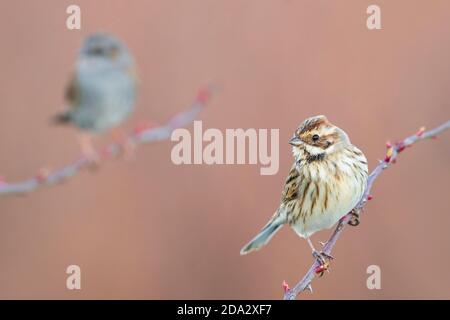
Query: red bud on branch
point(203, 95)
point(285, 286)
point(42, 174)
point(141, 127)
point(389, 154)
point(420, 132)
point(321, 269)
point(400, 146)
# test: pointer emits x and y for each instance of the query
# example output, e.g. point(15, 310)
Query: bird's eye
point(96, 51)
point(113, 50)
point(315, 137)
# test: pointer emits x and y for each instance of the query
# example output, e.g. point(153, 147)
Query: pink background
point(149, 229)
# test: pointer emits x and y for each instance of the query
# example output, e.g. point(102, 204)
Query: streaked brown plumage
point(325, 182)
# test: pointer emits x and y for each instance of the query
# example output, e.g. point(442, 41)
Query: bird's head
point(316, 138)
point(106, 49)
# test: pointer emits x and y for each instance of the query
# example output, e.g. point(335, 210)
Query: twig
point(391, 156)
point(140, 135)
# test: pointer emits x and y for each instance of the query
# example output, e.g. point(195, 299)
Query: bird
point(326, 181)
point(101, 92)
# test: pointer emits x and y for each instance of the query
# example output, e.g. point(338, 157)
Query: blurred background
point(152, 230)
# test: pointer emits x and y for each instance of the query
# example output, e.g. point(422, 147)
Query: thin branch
point(391, 156)
point(140, 135)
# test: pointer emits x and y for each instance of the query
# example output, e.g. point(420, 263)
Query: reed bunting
point(325, 183)
point(102, 90)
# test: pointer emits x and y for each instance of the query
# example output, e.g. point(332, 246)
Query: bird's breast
point(327, 190)
point(106, 98)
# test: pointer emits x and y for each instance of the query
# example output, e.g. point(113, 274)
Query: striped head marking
point(318, 137)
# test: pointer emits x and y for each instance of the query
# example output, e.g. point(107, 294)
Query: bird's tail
point(263, 237)
point(61, 118)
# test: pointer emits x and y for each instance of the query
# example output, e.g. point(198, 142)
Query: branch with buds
point(393, 150)
point(140, 135)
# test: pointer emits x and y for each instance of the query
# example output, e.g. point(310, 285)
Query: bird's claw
point(354, 220)
point(129, 150)
point(322, 256)
point(323, 244)
point(324, 261)
point(93, 161)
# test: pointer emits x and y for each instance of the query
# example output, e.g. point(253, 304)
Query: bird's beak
point(295, 141)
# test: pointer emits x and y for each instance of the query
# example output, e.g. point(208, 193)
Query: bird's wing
point(72, 97)
point(72, 94)
point(291, 184)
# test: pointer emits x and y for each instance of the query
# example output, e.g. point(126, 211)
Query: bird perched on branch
point(326, 181)
point(102, 90)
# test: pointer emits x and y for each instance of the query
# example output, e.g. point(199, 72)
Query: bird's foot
point(129, 150)
point(322, 257)
point(126, 145)
point(88, 151)
point(323, 244)
point(93, 161)
point(324, 262)
point(354, 220)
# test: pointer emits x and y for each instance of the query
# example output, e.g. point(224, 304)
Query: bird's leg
point(354, 221)
point(323, 244)
point(87, 148)
point(321, 257)
point(127, 145)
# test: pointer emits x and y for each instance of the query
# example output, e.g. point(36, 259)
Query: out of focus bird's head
point(103, 48)
point(316, 137)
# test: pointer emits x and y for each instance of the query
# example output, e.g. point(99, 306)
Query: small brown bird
point(102, 92)
point(325, 183)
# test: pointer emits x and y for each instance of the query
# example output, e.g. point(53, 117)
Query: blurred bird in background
point(101, 93)
point(326, 181)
